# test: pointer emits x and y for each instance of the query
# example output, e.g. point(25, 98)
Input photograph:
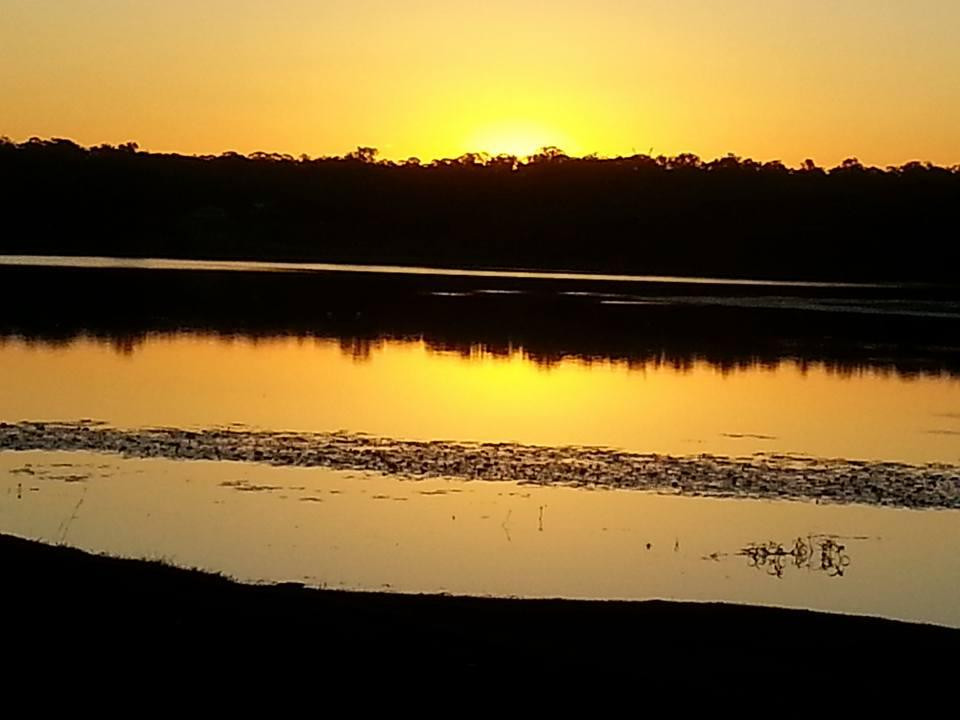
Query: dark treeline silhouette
point(654, 215)
point(539, 318)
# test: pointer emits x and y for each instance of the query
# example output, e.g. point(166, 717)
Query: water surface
point(370, 531)
point(524, 434)
point(307, 267)
point(403, 389)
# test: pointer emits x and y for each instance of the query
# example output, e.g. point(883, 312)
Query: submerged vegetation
point(661, 215)
point(765, 476)
point(816, 552)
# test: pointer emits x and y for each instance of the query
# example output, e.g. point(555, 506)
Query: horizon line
point(371, 154)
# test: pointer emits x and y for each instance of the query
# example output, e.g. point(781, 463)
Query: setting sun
point(519, 138)
point(770, 80)
point(460, 335)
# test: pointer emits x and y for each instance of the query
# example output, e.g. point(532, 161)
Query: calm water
point(476, 529)
point(405, 390)
point(260, 266)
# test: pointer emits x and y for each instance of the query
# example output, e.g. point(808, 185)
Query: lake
point(490, 433)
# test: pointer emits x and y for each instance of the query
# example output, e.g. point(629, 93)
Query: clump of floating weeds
point(821, 553)
point(766, 475)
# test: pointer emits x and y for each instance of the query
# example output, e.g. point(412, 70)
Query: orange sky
point(769, 79)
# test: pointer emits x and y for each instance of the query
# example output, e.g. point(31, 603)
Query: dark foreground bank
point(54, 597)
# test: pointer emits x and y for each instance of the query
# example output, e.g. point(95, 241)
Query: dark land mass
point(907, 330)
point(134, 610)
point(680, 215)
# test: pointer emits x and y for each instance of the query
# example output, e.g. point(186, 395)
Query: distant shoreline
point(658, 216)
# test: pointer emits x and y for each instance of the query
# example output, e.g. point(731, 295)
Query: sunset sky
point(769, 79)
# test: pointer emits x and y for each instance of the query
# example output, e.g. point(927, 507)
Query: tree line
point(679, 215)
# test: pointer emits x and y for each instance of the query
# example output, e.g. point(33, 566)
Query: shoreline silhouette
point(151, 610)
point(729, 217)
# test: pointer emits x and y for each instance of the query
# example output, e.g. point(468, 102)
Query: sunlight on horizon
point(767, 80)
point(518, 139)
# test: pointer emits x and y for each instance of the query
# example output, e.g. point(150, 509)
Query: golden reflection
point(405, 390)
point(368, 531)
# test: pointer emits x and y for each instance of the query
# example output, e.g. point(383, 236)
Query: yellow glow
point(517, 138)
point(760, 78)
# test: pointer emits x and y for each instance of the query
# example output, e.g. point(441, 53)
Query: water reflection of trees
point(820, 553)
point(126, 308)
point(360, 349)
point(639, 359)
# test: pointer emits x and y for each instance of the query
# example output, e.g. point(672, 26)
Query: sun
point(516, 138)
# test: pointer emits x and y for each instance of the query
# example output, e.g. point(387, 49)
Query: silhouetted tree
point(364, 154)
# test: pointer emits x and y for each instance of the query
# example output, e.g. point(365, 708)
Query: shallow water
point(366, 530)
point(548, 440)
point(762, 475)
